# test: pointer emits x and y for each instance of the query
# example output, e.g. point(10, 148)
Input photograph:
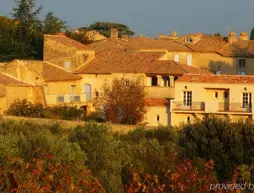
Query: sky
point(152, 17)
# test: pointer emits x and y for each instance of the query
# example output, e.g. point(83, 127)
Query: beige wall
point(228, 65)
point(59, 54)
point(203, 92)
point(162, 112)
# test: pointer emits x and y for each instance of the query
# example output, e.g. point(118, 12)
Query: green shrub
point(25, 108)
point(228, 143)
point(96, 116)
point(106, 156)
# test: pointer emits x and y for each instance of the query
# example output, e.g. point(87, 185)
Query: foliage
point(44, 174)
point(27, 109)
point(80, 37)
point(101, 148)
point(52, 24)
point(228, 144)
point(252, 34)
point(104, 28)
point(124, 101)
point(97, 116)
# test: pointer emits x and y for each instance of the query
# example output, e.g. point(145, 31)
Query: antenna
point(228, 29)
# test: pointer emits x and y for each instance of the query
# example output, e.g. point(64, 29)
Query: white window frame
point(67, 65)
point(187, 98)
point(176, 57)
point(189, 59)
point(246, 99)
point(241, 73)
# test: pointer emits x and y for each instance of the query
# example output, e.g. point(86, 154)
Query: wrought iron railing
point(192, 106)
point(75, 98)
point(60, 99)
point(235, 107)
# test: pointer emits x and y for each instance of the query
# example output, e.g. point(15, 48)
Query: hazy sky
point(153, 16)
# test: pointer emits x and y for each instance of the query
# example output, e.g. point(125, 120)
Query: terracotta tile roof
point(46, 70)
point(156, 102)
point(241, 48)
point(68, 42)
point(11, 81)
point(218, 79)
point(120, 61)
point(138, 44)
point(54, 73)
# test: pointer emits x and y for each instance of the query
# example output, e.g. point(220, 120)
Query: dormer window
point(188, 40)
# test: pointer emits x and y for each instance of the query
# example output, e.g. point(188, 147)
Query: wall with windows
point(181, 57)
point(237, 96)
point(65, 56)
point(223, 65)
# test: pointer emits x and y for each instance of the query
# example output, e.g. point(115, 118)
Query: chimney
point(244, 36)
point(232, 37)
point(174, 34)
point(141, 36)
point(114, 33)
point(199, 34)
point(125, 37)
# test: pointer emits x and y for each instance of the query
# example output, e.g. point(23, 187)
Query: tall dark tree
point(252, 34)
point(28, 28)
point(53, 24)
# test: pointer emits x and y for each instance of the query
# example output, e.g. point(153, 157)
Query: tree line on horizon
point(21, 36)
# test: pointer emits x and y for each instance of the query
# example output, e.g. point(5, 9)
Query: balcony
point(194, 106)
point(53, 99)
point(74, 98)
point(160, 92)
point(235, 107)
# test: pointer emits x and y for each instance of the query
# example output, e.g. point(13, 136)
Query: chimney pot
point(174, 33)
point(141, 36)
point(114, 33)
point(232, 37)
point(244, 36)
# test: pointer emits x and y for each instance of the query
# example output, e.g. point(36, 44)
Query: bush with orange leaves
point(185, 178)
point(43, 174)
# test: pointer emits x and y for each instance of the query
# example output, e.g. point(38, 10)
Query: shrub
point(228, 144)
point(43, 174)
point(97, 116)
point(106, 156)
point(25, 108)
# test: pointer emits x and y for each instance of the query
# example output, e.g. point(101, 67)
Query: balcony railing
point(235, 107)
point(193, 106)
point(75, 98)
point(60, 99)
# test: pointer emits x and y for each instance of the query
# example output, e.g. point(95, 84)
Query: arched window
point(88, 92)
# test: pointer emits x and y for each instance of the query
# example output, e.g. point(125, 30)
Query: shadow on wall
point(219, 67)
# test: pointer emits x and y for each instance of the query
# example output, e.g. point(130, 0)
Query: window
point(225, 95)
point(242, 63)
point(127, 83)
point(158, 118)
point(189, 59)
point(188, 40)
point(188, 119)
point(177, 58)
point(67, 65)
point(187, 98)
point(72, 89)
point(166, 81)
point(96, 94)
point(246, 99)
point(154, 81)
point(216, 95)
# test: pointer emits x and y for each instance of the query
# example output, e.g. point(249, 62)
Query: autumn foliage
point(124, 101)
